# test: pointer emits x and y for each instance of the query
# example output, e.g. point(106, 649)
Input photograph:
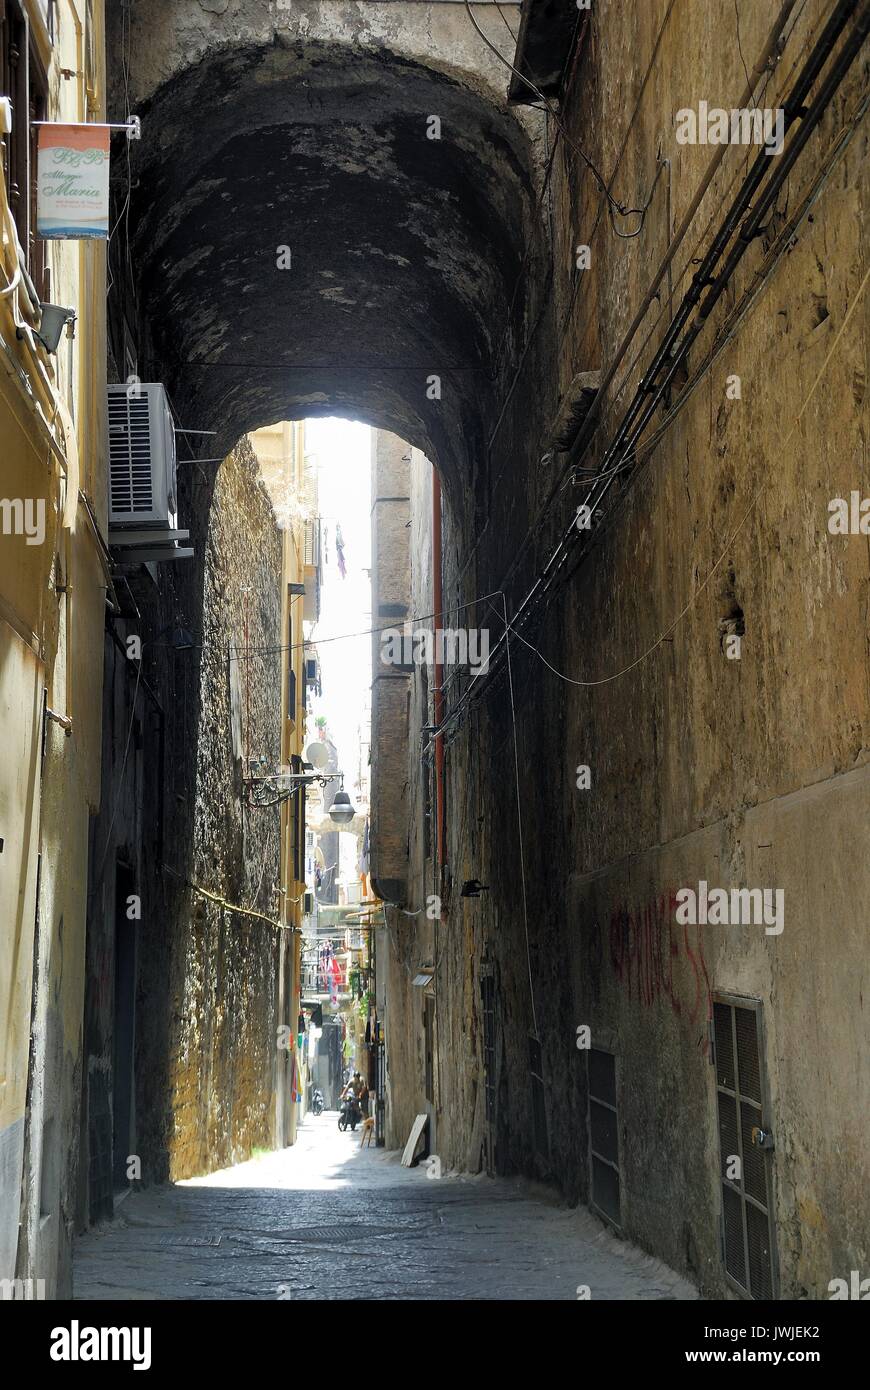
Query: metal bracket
point(762, 1138)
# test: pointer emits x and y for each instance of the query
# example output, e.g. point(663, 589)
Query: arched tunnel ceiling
point(405, 250)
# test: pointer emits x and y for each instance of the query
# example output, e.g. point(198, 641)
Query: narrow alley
point(434, 665)
point(327, 1219)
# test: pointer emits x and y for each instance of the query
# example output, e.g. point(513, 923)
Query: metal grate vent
point(604, 1134)
point(130, 471)
point(142, 461)
point(724, 1050)
point(747, 1229)
point(341, 1234)
point(758, 1240)
point(735, 1255)
point(748, 1063)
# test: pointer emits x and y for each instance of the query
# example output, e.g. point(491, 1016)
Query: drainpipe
point(439, 669)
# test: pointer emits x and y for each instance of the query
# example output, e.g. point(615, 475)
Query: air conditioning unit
point(142, 487)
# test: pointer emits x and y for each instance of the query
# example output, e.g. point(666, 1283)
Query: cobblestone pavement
point(329, 1220)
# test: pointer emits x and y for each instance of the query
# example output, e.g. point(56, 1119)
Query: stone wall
point(222, 1043)
point(205, 978)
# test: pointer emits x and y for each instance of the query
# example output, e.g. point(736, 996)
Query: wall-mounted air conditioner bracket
point(139, 555)
point(123, 539)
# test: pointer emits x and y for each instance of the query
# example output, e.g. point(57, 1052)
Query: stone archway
point(339, 228)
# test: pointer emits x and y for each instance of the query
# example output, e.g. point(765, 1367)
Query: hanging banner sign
point(73, 182)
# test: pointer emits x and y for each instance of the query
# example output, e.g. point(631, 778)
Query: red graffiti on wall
point(653, 958)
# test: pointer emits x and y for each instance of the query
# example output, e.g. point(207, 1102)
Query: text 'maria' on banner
point(73, 182)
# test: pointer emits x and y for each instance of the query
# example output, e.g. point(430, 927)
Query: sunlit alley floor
point(329, 1220)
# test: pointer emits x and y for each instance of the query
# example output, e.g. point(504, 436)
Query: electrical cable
point(740, 50)
point(346, 636)
point(520, 825)
point(124, 214)
point(8, 224)
point(728, 330)
point(625, 439)
point(504, 21)
point(578, 149)
point(727, 336)
point(593, 419)
point(539, 203)
point(702, 278)
point(224, 902)
point(606, 680)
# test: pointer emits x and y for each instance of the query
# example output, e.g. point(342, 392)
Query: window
point(23, 80)
point(745, 1167)
point(291, 674)
point(604, 1134)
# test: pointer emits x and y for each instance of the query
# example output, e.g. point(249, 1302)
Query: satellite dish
point(318, 755)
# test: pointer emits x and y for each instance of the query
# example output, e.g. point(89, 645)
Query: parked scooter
point(317, 1101)
point(351, 1112)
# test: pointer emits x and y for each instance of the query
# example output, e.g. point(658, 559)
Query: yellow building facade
point(54, 579)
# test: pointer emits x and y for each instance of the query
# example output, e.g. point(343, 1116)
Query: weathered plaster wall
point(746, 772)
point(737, 772)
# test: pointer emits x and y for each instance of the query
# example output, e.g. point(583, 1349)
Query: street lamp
point(272, 788)
point(342, 809)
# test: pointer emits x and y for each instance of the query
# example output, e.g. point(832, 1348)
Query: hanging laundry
point(339, 551)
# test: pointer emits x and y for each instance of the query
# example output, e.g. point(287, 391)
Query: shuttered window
point(291, 674)
point(744, 1167)
point(604, 1135)
point(297, 823)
